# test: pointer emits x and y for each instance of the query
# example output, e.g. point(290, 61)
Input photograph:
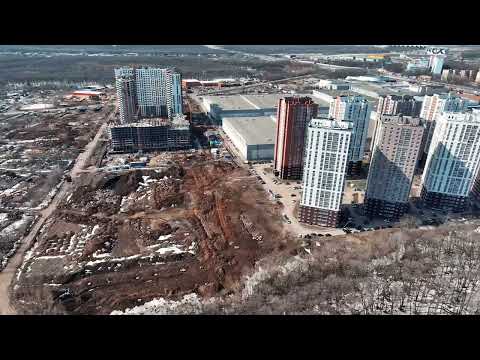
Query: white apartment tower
point(325, 165)
point(158, 91)
point(434, 105)
point(453, 160)
point(357, 110)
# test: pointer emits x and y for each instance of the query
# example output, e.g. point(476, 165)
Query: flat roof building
point(395, 153)
point(252, 136)
point(324, 171)
point(453, 161)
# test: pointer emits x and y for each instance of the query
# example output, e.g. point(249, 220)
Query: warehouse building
point(254, 137)
point(219, 107)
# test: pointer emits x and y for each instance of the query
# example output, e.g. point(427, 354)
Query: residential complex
point(158, 92)
point(293, 116)
point(453, 160)
point(395, 152)
point(326, 154)
point(357, 110)
point(457, 74)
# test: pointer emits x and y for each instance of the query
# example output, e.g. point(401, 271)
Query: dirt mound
point(122, 184)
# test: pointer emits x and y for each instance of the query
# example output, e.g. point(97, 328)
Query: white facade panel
point(325, 164)
point(454, 155)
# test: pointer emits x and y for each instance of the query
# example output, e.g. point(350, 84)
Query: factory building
point(294, 114)
point(151, 134)
point(453, 161)
point(434, 105)
point(395, 153)
point(252, 136)
point(324, 171)
point(157, 91)
point(357, 110)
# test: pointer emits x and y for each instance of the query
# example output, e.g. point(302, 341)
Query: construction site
point(119, 239)
point(151, 134)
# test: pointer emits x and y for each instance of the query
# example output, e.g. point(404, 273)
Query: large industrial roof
point(242, 102)
point(254, 130)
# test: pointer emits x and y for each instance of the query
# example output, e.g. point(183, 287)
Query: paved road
point(239, 89)
point(8, 273)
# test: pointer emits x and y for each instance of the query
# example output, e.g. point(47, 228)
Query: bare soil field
point(120, 240)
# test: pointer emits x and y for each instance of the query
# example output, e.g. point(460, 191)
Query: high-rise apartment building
point(357, 110)
point(437, 103)
point(436, 64)
point(158, 91)
point(326, 154)
point(434, 105)
point(395, 153)
point(127, 98)
point(453, 161)
point(293, 116)
point(174, 94)
point(406, 105)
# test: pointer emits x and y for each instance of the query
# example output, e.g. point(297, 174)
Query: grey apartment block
point(395, 153)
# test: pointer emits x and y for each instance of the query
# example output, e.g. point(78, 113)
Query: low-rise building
point(254, 137)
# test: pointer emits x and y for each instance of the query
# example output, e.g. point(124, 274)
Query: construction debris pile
point(121, 239)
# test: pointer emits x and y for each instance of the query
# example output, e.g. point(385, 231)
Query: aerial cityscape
point(239, 179)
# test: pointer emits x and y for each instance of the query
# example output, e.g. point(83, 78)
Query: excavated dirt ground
point(120, 240)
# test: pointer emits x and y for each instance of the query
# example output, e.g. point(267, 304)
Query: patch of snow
point(3, 217)
point(174, 249)
point(164, 237)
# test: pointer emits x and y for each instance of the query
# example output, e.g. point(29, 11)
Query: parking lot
point(288, 193)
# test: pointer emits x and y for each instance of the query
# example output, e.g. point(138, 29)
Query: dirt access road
point(8, 273)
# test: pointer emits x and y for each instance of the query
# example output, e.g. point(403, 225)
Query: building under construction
point(151, 134)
